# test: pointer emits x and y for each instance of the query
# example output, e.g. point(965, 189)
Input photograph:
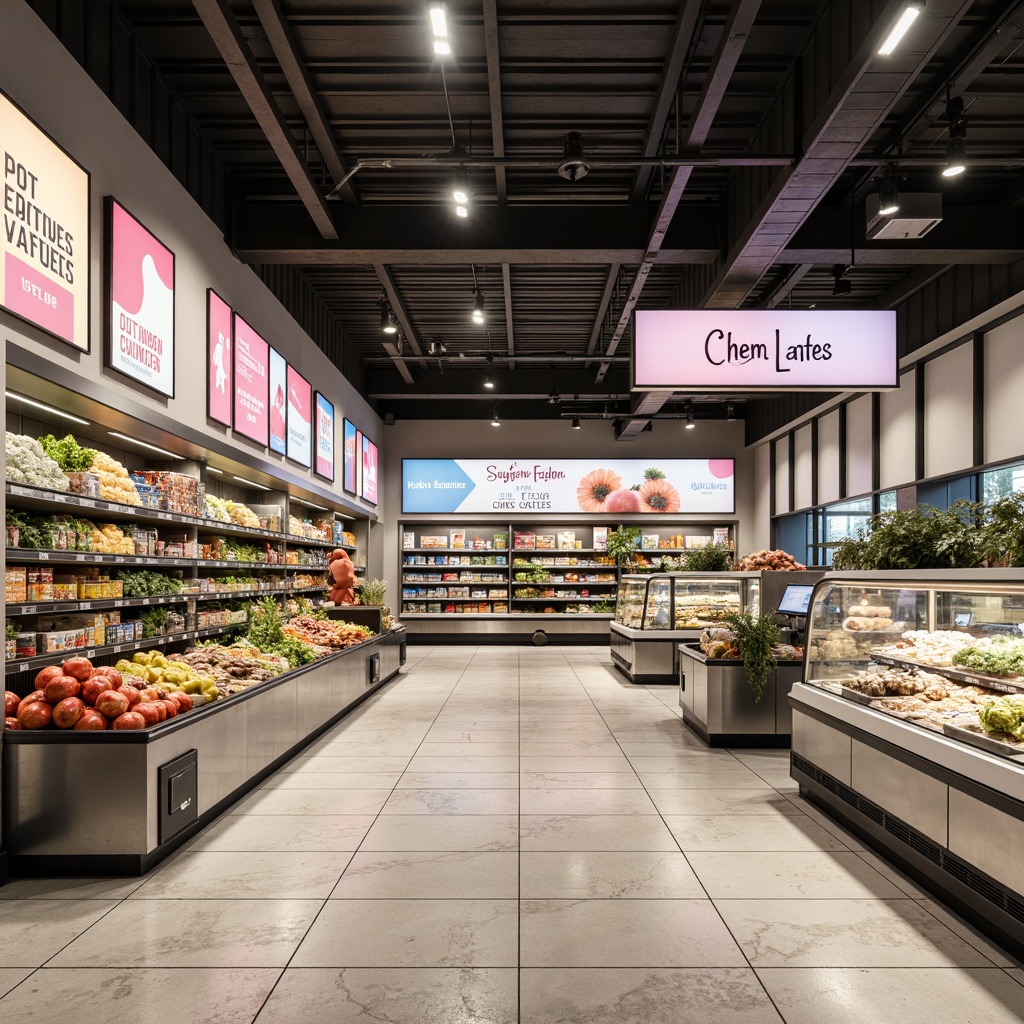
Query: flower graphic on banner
point(658, 495)
point(594, 488)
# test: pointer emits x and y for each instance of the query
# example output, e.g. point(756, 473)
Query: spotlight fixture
point(495, 418)
point(553, 396)
point(489, 379)
point(689, 416)
point(388, 320)
point(574, 160)
point(144, 444)
point(907, 18)
point(889, 193)
point(730, 412)
point(460, 187)
point(46, 408)
point(956, 147)
point(478, 307)
point(437, 347)
point(439, 26)
point(840, 286)
point(575, 423)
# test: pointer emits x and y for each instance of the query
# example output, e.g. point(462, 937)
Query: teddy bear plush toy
point(343, 577)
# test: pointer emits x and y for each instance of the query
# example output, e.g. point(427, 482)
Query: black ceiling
point(732, 144)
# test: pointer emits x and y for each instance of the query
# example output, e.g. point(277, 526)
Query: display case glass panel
point(658, 613)
point(629, 606)
point(946, 656)
point(702, 602)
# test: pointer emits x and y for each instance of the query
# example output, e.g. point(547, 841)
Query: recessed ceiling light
point(145, 444)
point(47, 408)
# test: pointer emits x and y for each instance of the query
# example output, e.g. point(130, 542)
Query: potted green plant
point(711, 558)
point(622, 544)
point(371, 591)
point(755, 637)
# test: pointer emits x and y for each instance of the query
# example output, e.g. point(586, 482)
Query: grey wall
point(43, 79)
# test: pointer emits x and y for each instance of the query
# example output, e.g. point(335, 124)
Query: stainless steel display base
point(506, 629)
point(949, 815)
point(719, 705)
point(645, 656)
point(89, 803)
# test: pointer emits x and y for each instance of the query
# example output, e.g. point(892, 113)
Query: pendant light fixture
point(495, 417)
point(439, 27)
point(478, 308)
point(689, 416)
point(575, 418)
point(553, 396)
point(889, 193)
point(388, 320)
point(489, 379)
point(956, 147)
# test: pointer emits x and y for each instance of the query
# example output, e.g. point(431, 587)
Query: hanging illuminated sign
point(770, 349)
point(324, 464)
point(569, 486)
point(300, 423)
point(219, 363)
point(252, 383)
point(44, 248)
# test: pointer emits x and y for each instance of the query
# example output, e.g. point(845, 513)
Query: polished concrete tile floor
point(507, 834)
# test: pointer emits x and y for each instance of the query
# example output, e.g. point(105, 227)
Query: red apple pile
point(77, 695)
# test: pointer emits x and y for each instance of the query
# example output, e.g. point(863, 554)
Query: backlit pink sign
point(218, 358)
point(772, 349)
point(252, 383)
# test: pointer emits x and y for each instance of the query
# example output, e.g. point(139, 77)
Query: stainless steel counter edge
point(986, 769)
point(31, 737)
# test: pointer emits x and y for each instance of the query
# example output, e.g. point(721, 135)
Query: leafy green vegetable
point(1003, 657)
point(68, 453)
point(149, 584)
point(712, 558)
point(1004, 715)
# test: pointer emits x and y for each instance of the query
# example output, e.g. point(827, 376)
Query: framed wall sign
point(139, 331)
point(349, 457)
point(324, 465)
point(278, 402)
point(369, 471)
point(44, 247)
point(252, 383)
point(300, 418)
point(219, 362)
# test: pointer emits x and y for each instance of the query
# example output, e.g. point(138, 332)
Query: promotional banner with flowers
point(599, 486)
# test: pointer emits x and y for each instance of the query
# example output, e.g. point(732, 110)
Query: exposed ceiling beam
point(490, 9)
point(506, 287)
point(793, 277)
point(913, 282)
point(227, 37)
point(286, 50)
point(602, 309)
point(387, 282)
point(668, 89)
point(730, 46)
point(845, 119)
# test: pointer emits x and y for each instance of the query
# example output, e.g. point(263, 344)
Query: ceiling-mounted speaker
point(919, 212)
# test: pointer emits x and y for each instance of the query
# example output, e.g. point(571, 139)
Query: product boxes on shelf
point(546, 541)
point(501, 540)
point(524, 541)
point(458, 538)
point(600, 538)
point(434, 541)
point(720, 535)
point(408, 539)
point(60, 640)
point(40, 584)
point(16, 584)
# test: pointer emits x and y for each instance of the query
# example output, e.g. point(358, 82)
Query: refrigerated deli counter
point(908, 727)
point(656, 612)
point(116, 803)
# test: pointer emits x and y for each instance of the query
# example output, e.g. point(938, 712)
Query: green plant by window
point(755, 636)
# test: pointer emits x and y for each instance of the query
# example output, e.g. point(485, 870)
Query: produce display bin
point(718, 703)
point(80, 803)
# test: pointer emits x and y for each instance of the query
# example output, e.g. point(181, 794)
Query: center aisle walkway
point(500, 835)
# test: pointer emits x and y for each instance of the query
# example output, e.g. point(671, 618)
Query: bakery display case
point(908, 727)
point(656, 612)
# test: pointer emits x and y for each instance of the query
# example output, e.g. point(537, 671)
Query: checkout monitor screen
point(796, 599)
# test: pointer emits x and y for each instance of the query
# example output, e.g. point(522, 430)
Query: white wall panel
point(896, 448)
point(858, 446)
point(949, 412)
point(760, 536)
point(782, 470)
point(828, 458)
point(1004, 386)
point(803, 468)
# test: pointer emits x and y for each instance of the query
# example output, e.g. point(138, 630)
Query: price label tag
point(28, 609)
point(23, 491)
point(117, 649)
point(24, 666)
point(84, 605)
point(87, 502)
point(79, 558)
point(145, 600)
point(44, 556)
point(60, 497)
point(90, 654)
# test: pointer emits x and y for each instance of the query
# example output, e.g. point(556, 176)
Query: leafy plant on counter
point(68, 453)
point(755, 637)
point(1003, 533)
point(712, 558)
point(371, 591)
point(918, 538)
point(622, 543)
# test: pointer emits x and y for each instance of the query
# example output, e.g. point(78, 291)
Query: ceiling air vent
point(919, 212)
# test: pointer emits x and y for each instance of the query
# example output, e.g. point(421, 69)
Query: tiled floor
point(501, 835)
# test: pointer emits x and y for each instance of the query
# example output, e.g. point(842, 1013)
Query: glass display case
point(908, 727)
point(657, 611)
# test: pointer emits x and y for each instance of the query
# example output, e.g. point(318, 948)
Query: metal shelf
point(16, 665)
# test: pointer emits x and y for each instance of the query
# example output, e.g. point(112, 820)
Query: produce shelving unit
point(562, 609)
